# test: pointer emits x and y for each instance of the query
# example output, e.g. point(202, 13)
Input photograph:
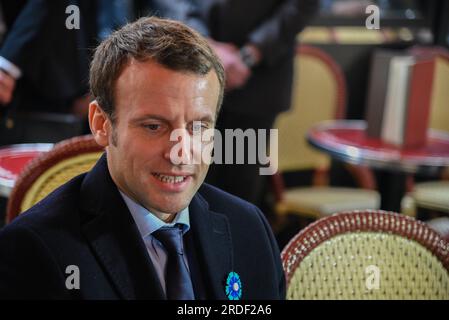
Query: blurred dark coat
point(272, 25)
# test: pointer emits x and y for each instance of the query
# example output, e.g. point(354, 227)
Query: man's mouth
point(170, 178)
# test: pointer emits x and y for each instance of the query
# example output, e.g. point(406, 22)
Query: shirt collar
point(147, 222)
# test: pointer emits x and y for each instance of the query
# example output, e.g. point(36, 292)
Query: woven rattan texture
point(333, 259)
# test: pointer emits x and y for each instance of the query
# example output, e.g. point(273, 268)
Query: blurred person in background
point(44, 65)
point(255, 41)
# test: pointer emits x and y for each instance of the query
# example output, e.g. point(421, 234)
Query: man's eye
point(153, 127)
point(200, 126)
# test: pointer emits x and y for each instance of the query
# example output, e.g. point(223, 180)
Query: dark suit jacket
point(86, 223)
point(272, 25)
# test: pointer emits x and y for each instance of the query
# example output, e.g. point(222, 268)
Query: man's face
point(150, 102)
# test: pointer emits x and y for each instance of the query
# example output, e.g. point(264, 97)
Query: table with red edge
point(347, 141)
point(13, 159)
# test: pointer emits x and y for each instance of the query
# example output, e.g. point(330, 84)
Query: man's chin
point(172, 208)
point(166, 203)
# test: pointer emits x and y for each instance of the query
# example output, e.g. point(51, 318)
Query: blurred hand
point(255, 53)
point(7, 85)
point(351, 7)
point(237, 73)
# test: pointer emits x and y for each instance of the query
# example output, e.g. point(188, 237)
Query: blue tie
point(177, 277)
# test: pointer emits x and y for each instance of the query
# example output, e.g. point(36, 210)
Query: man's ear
point(99, 123)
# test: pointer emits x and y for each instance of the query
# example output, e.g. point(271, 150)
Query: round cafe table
point(13, 159)
point(346, 140)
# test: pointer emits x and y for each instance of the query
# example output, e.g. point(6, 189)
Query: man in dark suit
point(255, 41)
point(141, 224)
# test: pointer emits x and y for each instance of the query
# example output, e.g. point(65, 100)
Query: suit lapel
point(115, 239)
point(213, 242)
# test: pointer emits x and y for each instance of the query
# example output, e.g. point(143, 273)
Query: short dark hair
point(167, 42)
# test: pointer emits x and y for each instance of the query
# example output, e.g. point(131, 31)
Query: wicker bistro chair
point(45, 173)
point(367, 255)
point(319, 93)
